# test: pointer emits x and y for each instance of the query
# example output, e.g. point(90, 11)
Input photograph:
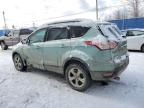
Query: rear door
point(56, 47)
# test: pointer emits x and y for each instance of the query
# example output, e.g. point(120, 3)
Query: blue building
point(3, 32)
point(129, 23)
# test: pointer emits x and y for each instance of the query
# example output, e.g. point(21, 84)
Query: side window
point(38, 36)
point(138, 33)
point(16, 33)
point(130, 33)
point(57, 34)
point(78, 31)
point(10, 34)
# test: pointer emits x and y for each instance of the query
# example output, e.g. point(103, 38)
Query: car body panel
point(14, 37)
point(53, 55)
point(53, 52)
point(34, 55)
point(135, 42)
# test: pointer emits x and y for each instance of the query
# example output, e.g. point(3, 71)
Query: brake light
point(103, 45)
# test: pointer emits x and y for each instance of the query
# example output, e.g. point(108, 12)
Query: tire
point(78, 77)
point(18, 63)
point(142, 48)
point(4, 46)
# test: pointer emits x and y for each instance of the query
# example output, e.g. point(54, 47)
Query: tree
point(135, 7)
point(119, 14)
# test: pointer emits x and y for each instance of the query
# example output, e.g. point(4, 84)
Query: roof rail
point(67, 21)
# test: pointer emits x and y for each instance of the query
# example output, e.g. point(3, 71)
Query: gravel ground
point(40, 89)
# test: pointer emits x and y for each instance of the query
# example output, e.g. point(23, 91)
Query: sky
point(22, 13)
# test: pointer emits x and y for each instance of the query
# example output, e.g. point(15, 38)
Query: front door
point(16, 37)
point(33, 49)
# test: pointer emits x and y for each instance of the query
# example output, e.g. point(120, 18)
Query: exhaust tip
point(117, 78)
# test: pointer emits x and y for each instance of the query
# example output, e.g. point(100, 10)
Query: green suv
point(82, 50)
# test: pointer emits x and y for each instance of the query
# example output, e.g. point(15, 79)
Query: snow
point(41, 89)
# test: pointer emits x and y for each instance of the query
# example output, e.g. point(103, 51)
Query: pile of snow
point(40, 89)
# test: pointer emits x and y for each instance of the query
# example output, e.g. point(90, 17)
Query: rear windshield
point(110, 30)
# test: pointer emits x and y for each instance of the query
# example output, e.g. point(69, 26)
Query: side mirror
point(5, 34)
point(24, 41)
point(28, 41)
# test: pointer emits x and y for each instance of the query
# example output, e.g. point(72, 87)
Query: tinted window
point(57, 33)
point(25, 31)
point(110, 31)
point(117, 30)
point(11, 33)
point(38, 36)
point(137, 33)
point(78, 31)
point(16, 33)
point(130, 33)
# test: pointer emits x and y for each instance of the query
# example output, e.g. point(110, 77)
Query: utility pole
point(97, 10)
point(33, 24)
point(4, 20)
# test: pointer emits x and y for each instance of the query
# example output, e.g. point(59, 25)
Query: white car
point(135, 39)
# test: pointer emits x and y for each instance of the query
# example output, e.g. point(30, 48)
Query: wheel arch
point(14, 53)
point(75, 60)
point(142, 46)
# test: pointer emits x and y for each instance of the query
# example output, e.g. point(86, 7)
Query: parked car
point(135, 39)
point(13, 37)
point(82, 50)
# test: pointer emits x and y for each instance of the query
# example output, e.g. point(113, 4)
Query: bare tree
point(136, 7)
point(133, 9)
point(119, 14)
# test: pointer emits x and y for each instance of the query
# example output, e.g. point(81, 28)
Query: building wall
point(3, 32)
point(129, 23)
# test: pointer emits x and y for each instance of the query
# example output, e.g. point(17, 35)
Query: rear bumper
point(108, 75)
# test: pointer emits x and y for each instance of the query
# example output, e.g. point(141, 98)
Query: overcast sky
point(24, 12)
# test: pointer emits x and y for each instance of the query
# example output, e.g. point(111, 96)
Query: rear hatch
point(112, 33)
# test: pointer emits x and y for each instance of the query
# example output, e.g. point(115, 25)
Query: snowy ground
point(38, 89)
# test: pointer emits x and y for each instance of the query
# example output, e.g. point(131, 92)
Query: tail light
point(102, 44)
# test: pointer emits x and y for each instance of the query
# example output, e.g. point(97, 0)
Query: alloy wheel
point(18, 62)
point(76, 77)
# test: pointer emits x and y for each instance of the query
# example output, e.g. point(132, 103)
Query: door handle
point(63, 45)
